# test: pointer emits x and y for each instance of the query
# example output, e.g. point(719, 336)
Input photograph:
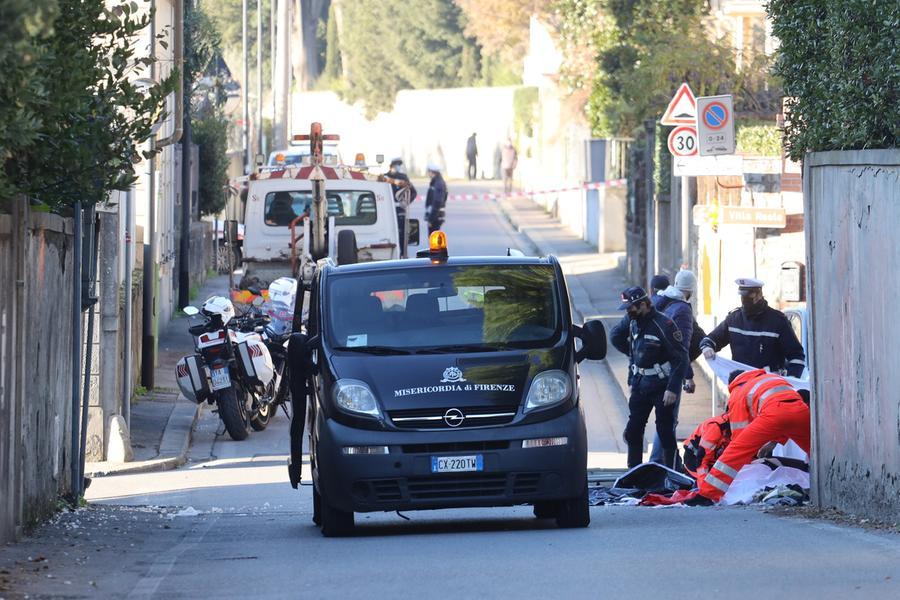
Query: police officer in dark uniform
point(760, 336)
point(658, 362)
point(436, 199)
point(396, 173)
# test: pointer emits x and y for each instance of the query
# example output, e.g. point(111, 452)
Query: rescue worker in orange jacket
point(705, 445)
point(762, 408)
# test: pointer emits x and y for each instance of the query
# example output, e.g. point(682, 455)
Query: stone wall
point(36, 253)
point(852, 202)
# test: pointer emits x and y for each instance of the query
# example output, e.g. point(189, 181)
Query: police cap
point(631, 296)
point(748, 284)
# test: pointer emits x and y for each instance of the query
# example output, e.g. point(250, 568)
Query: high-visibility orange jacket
point(762, 408)
point(705, 445)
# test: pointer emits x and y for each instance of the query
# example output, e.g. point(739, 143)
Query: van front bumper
point(403, 479)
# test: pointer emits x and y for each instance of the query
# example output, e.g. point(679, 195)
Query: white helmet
point(283, 291)
point(219, 305)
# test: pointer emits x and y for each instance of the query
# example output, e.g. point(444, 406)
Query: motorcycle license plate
point(457, 464)
point(220, 378)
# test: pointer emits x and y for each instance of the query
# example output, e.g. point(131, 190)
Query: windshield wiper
point(378, 350)
point(451, 348)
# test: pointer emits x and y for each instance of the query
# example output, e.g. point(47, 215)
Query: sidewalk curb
point(173, 448)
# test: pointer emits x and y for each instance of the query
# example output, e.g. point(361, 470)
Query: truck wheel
point(347, 252)
point(546, 510)
point(233, 414)
point(261, 419)
point(335, 523)
point(575, 512)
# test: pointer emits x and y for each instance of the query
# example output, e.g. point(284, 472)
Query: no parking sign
point(715, 125)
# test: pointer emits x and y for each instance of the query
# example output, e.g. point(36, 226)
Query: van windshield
point(444, 308)
point(350, 207)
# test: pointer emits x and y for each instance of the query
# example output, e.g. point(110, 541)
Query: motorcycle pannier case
point(192, 379)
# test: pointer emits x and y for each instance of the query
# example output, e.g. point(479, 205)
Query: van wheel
point(347, 252)
point(575, 512)
point(546, 510)
point(317, 506)
point(335, 523)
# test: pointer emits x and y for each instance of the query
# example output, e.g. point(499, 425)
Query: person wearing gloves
point(658, 361)
point(673, 301)
point(762, 408)
point(759, 335)
point(436, 199)
point(705, 445)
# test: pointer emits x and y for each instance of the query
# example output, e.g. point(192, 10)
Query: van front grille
point(438, 418)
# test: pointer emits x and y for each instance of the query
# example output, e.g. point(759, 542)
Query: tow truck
point(300, 214)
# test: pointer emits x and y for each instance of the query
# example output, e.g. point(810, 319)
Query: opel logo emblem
point(454, 417)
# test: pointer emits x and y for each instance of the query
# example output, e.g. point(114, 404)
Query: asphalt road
point(228, 525)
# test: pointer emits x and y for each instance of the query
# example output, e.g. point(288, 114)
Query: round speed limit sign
point(683, 141)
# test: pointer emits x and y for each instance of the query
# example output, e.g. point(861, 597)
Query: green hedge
point(839, 61)
point(759, 138)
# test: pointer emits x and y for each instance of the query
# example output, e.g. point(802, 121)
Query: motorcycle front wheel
point(260, 420)
point(233, 413)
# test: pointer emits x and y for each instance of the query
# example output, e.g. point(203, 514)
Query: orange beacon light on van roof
point(437, 247)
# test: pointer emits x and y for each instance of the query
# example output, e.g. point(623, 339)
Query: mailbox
point(793, 284)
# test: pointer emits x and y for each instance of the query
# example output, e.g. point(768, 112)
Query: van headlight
point(548, 388)
point(355, 397)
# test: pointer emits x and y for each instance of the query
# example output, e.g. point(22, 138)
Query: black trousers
point(646, 396)
point(473, 169)
point(300, 368)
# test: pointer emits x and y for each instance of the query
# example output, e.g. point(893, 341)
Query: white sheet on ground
point(754, 477)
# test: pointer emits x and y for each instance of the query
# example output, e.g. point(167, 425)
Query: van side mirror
point(593, 341)
point(413, 238)
point(190, 311)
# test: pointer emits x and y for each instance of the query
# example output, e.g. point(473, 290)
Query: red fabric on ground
point(660, 500)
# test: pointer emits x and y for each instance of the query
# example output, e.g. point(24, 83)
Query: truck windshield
point(350, 207)
point(439, 308)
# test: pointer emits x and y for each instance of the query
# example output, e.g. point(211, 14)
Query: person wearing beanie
point(658, 283)
point(674, 302)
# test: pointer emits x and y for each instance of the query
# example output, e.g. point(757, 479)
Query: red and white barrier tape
point(530, 194)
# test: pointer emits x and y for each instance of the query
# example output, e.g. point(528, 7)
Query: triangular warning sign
point(682, 109)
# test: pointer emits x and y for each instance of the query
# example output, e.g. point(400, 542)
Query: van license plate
point(220, 379)
point(457, 464)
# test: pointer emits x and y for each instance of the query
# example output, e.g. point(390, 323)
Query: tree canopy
point(81, 117)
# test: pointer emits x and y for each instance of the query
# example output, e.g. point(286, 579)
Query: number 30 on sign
point(683, 141)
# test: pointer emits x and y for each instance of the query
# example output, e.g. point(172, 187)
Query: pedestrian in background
point(657, 366)
point(657, 284)
point(759, 335)
point(436, 199)
point(509, 159)
point(397, 173)
point(674, 302)
point(472, 157)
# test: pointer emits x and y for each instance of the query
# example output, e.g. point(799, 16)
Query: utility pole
point(272, 33)
point(282, 75)
point(245, 89)
point(184, 247)
point(259, 77)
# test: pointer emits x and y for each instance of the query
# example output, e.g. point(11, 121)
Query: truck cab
point(445, 382)
point(280, 226)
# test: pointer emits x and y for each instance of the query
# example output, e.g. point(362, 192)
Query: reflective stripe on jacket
point(751, 392)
